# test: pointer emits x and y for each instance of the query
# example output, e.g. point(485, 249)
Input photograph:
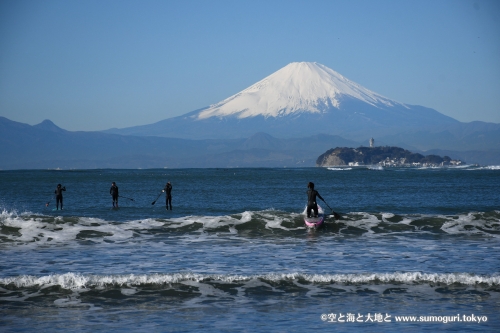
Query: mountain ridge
point(23, 146)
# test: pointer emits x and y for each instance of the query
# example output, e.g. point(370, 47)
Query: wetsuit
point(114, 194)
point(311, 202)
point(59, 197)
point(168, 196)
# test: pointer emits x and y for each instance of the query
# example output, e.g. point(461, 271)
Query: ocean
point(416, 249)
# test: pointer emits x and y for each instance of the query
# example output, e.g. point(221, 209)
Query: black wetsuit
point(168, 195)
point(59, 196)
point(311, 202)
point(114, 193)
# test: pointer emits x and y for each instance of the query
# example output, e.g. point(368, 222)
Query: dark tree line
point(368, 155)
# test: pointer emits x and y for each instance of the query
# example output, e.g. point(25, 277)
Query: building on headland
point(372, 143)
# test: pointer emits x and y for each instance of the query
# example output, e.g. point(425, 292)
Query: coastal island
point(383, 156)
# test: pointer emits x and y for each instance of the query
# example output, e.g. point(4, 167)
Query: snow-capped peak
point(297, 87)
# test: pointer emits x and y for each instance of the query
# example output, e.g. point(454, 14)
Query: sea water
point(414, 250)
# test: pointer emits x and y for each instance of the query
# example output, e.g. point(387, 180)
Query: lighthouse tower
point(372, 143)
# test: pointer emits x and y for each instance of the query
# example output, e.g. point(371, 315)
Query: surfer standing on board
point(311, 200)
point(168, 195)
point(59, 197)
point(114, 194)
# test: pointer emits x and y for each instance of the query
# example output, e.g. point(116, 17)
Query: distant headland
point(384, 156)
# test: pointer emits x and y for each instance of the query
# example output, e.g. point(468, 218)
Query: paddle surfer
point(59, 196)
point(168, 195)
point(114, 194)
point(311, 200)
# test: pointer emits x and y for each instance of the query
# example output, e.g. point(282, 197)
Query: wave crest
point(79, 281)
point(41, 230)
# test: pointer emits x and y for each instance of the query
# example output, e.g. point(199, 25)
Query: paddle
point(157, 198)
point(126, 197)
point(337, 216)
point(47, 204)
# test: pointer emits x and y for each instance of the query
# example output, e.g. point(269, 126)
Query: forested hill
point(390, 156)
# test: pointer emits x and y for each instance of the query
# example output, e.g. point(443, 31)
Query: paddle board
point(315, 222)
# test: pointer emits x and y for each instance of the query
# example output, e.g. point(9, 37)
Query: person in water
point(59, 196)
point(311, 200)
point(168, 194)
point(114, 194)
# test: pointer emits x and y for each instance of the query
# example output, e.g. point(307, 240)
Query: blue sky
point(93, 65)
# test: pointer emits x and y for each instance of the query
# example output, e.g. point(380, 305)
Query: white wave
point(38, 230)
point(366, 222)
point(387, 215)
point(406, 221)
point(47, 230)
point(435, 168)
point(271, 219)
point(340, 169)
point(471, 224)
point(465, 166)
point(75, 281)
point(210, 222)
point(474, 223)
point(481, 168)
point(410, 277)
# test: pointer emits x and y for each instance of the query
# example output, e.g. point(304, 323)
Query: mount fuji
point(287, 119)
point(299, 100)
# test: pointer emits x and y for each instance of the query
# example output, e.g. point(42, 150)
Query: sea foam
point(80, 281)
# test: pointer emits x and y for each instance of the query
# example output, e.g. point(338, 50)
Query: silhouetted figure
point(311, 200)
point(114, 194)
point(59, 196)
point(168, 195)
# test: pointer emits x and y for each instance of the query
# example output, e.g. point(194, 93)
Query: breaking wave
point(32, 229)
point(78, 281)
point(201, 290)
